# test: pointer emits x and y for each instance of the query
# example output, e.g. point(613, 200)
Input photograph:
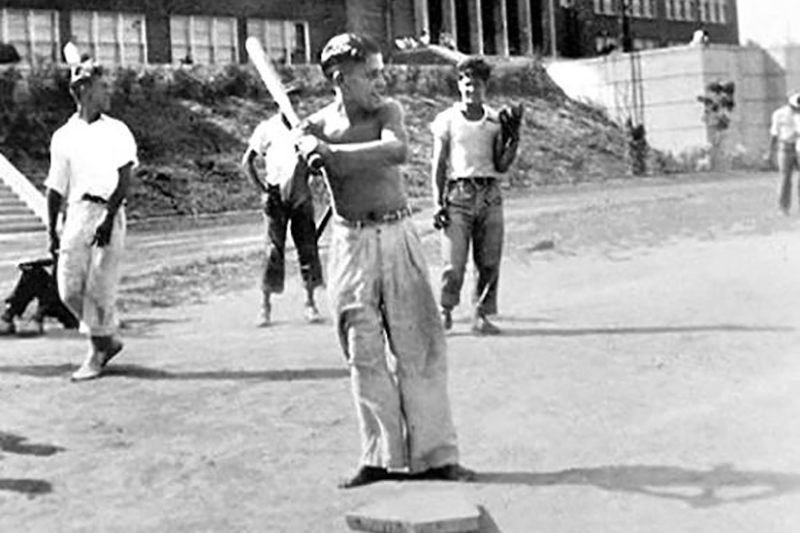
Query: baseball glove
point(511, 121)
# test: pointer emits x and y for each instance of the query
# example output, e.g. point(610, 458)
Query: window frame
point(28, 55)
point(213, 44)
point(120, 43)
point(288, 46)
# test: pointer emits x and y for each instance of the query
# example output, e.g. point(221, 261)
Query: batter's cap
point(794, 100)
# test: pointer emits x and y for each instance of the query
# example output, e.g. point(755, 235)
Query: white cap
point(794, 100)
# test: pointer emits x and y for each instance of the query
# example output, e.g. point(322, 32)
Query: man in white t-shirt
point(473, 145)
point(784, 136)
point(288, 203)
point(91, 159)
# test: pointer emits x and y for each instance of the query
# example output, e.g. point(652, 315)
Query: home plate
point(418, 512)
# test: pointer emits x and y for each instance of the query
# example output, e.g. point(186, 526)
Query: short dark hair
point(346, 48)
point(475, 66)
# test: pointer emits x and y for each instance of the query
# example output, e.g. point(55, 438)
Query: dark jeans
point(281, 218)
point(787, 165)
point(476, 219)
point(36, 283)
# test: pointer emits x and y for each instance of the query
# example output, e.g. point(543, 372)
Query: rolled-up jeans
point(279, 217)
point(787, 164)
point(380, 294)
point(476, 219)
point(88, 275)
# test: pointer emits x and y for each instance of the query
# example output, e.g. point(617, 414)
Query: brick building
point(213, 31)
point(575, 28)
point(170, 31)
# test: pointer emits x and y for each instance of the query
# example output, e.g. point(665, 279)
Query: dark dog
point(37, 283)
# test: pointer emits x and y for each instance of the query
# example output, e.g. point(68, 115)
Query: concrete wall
point(673, 79)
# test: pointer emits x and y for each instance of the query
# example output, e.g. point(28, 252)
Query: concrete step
point(11, 218)
point(18, 208)
point(22, 227)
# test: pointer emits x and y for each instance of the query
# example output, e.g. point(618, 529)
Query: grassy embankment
point(191, 125)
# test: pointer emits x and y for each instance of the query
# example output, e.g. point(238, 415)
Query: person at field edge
point(784, 137)
point(288, 203)
point(91, 160)
point(378, 281)
point(473, 145)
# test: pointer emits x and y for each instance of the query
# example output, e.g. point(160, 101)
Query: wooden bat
point(272, 81)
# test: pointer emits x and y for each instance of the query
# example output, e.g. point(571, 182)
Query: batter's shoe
point(367, 475)
point(90, 369)
point(450, 472)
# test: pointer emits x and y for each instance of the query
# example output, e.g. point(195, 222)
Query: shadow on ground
point(15, 444)
point(10, 443)
point(634, 330)
point(31, 487)
point(140, 372)
point(720, 485)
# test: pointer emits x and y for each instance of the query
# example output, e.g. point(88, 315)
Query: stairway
point(15, 215)
point(22, 207)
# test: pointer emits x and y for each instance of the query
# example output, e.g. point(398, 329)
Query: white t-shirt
point(273, 141)
point(85, 158)
point(471, 142)
point(785, 124)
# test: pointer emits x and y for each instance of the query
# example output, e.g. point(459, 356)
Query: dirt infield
point(646, 381)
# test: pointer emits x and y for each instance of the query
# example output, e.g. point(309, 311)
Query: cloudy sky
point(769, 21)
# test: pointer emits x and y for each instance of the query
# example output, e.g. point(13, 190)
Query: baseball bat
point(272, 81)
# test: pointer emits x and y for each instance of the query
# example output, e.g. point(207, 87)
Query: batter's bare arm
point(102, 235)
point(389, 150)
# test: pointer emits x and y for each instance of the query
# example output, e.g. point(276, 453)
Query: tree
point(718, 104)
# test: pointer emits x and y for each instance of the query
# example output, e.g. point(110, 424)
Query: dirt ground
point(647, 381)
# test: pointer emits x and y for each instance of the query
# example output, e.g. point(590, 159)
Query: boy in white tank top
point(473, 146)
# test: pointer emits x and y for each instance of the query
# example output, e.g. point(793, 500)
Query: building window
point(645, 44)
point(723, 12)
point(671, 12)
point(605, 7)
point(111, 38)
point(605, 44)
point(705, 10)
point(642, 8)
point(204, 40)
point(285, 41)
point(32, 32)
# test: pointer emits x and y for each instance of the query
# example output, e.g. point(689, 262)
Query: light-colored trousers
point(88, 276)
point(381, 295)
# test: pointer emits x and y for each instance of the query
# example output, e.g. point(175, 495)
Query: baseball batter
point(378, 277)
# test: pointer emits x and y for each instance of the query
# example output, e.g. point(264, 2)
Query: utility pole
point(637, 142)
point(553, 40)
